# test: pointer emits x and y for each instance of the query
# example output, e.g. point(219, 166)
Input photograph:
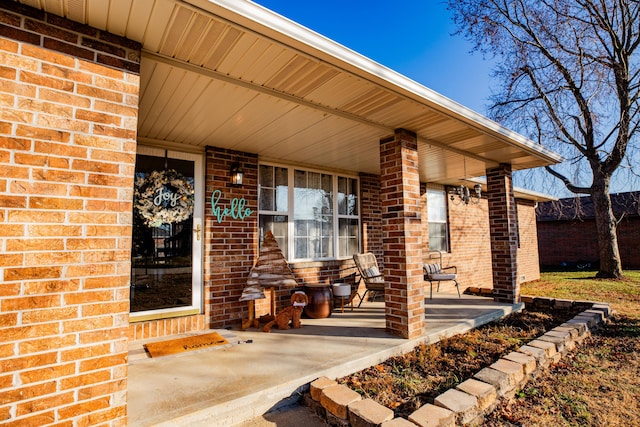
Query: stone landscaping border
point(470, 401)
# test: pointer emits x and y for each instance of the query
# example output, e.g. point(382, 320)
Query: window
point(274, 204)
point(348, 219)
point(515, 206)
point(437, 219)
point(317, 216)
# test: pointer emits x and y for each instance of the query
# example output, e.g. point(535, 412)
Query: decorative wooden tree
point(270, 271)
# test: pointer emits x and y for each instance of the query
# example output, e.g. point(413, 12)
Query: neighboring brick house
point(120, 130)
point(567, 235)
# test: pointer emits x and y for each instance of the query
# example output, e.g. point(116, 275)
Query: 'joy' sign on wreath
point(163, 197)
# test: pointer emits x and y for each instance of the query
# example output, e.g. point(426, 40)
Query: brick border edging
point(471, 400)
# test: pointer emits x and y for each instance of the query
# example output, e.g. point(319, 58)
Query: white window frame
point(430, 220)
point(290, 213)
point(339, 216)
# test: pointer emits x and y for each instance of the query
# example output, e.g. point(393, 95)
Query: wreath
point(163, 197)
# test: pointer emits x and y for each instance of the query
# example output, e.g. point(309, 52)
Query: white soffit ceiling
point(232, 74)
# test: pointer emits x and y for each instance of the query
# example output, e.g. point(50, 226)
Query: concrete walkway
point(296, 415)
point(261, 372)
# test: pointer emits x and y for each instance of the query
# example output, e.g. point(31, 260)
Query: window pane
point(437, 219)
point(314, 238)
point(302, 251)
point(282, 177)
point(347, 196)
point(326, 238)
point(352, 197)
point(300, 179)
point(301, 228)
point(348, 236)
point(327, 183)
point(265, 188)
point(436, 205)
point(311, 202)
point(438, 237)
point(313, 215)
point(282, 190)
point(342, 196)
point(273, 189)
point(266, 175)
point(266, 199)
point(277, 224)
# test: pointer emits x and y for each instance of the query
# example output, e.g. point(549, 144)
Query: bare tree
point(568, 78)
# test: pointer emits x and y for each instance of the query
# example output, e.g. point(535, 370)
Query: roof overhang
point(233, 74)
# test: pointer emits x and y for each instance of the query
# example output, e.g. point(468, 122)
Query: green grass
point(597, 384)
point(623, 294)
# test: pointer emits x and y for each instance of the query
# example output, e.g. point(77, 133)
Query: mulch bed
point(596, 385)
point(405, 383)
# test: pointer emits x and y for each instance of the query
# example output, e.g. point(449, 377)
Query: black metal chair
point(434, 272)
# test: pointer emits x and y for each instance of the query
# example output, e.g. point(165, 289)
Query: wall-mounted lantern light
point(461, 194)
point(236, 174)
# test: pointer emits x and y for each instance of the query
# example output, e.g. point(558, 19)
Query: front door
point(166, 255)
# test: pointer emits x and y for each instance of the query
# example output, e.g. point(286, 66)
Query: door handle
point(197, 231)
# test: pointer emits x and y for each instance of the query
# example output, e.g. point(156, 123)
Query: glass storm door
point(166, 255)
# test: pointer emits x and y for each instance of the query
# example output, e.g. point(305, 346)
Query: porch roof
point(233, 74)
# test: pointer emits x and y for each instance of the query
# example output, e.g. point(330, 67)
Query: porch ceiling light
point(462, 194)
point(236, 174)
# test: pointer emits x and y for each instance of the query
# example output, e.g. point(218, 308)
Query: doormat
point(180, 345)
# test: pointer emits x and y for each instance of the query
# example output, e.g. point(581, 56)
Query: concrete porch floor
point(228, 386)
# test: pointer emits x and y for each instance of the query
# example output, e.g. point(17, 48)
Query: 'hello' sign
point(237, 210)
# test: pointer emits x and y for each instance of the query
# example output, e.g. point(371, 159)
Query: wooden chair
point(370, 273)
point(434, 272)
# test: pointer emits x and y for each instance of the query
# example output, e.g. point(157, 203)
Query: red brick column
point(402, 239)
point(67, 154)
point(504, 234)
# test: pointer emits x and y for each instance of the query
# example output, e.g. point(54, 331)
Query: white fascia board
point(536, 196)
point(316, 45)
point(524, 193)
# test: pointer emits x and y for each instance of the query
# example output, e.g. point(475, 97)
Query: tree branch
point(567, 183)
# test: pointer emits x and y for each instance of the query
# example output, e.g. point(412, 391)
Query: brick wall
point(577, 241)
point(67, 153)
point(470, 244)
point(328, 272)
point(371, 219)
point(231, 245)
point(371, 215)
point(528, 261)
point(165, 327)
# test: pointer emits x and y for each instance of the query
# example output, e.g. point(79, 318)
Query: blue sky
point(416, 38)
point(412, 37)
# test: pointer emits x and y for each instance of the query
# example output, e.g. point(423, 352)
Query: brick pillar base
point(402, 239)
point(504, 234)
